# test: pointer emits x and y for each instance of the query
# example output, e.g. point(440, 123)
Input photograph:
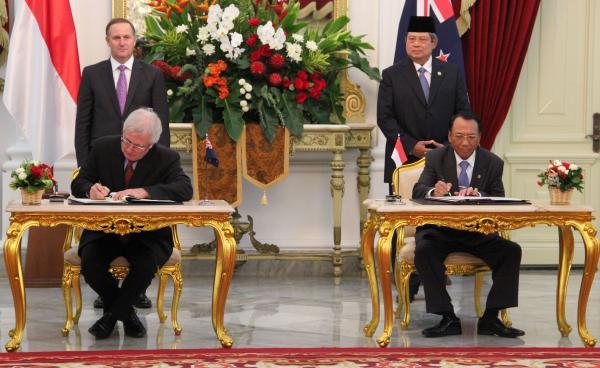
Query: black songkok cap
point(421, 24)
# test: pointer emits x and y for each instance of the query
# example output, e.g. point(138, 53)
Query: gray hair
point(144, 120)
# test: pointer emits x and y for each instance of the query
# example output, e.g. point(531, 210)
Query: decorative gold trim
point(119, 8)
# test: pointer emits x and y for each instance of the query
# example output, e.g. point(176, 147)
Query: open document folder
point(472, 200)
point(126, 200)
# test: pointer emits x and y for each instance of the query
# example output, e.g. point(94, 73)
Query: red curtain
point(494, 50)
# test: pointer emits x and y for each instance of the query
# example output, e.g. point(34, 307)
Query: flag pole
point(205, 201)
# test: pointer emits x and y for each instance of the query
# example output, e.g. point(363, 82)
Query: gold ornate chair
point(457, 263)
point(119, 268)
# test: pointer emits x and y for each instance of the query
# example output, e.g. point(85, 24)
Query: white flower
point(189, 52)
point(22, 176)
point(557, 163)
point(242, 91)
point(182, 28)
point(298, 37)
point(248, 87)
point(562, 168)
point(208, 49)
point(214, 14)
point(203, 34)
point(241, 82)
point(294, 51)
point(169, 92)
point(243, 103)
point(248, 96)
point(236, 39)
point(312, 45)
point(574, 167)
point(19, 170)
point(245, 108)
point(230, 13)
point(265, 32)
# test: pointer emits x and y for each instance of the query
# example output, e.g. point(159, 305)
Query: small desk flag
point(398, 154)
point(211, 156)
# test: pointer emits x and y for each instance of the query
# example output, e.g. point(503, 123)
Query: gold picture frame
point(354, 104)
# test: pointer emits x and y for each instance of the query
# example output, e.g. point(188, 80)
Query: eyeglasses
point(136, 147)
point(469, 137)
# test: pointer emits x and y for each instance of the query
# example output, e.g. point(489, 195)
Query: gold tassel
point(263, 200)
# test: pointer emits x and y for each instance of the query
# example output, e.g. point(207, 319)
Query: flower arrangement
point(234, 61)
point(562, 175)
point(32, 176)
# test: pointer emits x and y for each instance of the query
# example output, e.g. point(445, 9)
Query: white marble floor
point(297, 309)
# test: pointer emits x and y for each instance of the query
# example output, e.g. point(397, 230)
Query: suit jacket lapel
point(109, 85)
point(136, 71)
point(478, 170)
point(142, 169)
point(437, 76)
point(410, 74)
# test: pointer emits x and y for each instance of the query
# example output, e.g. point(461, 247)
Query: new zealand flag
point(210, 156)
point(449, 47)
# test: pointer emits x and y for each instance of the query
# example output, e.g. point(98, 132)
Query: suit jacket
point(159, 172)
point(98, 112)
point(441, 164)
point(402, 109)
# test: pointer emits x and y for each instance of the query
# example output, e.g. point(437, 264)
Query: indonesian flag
point(398, 155)
point(42, 76)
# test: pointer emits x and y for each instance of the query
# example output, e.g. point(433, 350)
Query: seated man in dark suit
point(465, 169)
point(128, 165)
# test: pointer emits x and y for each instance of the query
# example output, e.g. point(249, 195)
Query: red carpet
point(324, 357)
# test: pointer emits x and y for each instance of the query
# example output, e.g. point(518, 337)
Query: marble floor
point(303, 308)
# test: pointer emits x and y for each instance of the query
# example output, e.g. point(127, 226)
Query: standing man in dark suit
point(417, 97)
point(465, 169)
point(110, 90)
point(130, 164)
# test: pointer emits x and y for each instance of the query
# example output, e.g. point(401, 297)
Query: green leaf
point(268, 121)
point(234, 124)
point(293, 112)
point(152, 27)
point(363, 65)
point(203, 117)
point(336, 25)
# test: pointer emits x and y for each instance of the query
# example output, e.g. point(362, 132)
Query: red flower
point(37, 172)
point(175, 74)
point(286, 82)
point(277, 61)
point(164, 67)
point(265, 51)
point(301, 97)
point(253, 22)
point(255, 56)
point(301, 81)
point(315, 93)
point(252, 40)
point(275, 79)
point(257, 68)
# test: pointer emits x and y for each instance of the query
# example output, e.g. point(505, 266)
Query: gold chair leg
point(67, 280)
point(504, 316)
point(177, 289)
point(399, 289)
point(162, 283)
point(477, 293)
point(406, 271)
point(77, 293)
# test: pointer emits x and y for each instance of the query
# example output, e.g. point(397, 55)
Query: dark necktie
point(424, 83)
point(122, 88)
point(128, 172)
point(463, 178)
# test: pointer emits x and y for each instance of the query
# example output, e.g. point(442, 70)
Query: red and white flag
point(42, 76)
point(398, 154)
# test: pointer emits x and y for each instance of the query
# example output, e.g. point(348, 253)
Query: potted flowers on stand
point(561, 177)
point(32, 178)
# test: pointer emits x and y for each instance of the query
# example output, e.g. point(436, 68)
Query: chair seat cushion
point(407, 254)
point(71, 257)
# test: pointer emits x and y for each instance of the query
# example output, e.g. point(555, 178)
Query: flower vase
point(557, 196)
point(28, 198)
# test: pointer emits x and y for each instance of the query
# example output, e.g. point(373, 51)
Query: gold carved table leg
point(368, 236)
point(337, 193)
point(592, 251)
point(223, 273)
point(565, 236)
point(384, 247)
point(14, 271)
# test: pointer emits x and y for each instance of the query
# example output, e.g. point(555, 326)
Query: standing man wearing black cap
point(417, 97)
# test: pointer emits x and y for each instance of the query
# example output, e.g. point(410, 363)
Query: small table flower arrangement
point(250, 60)
point(561, 177)
point(32, 178)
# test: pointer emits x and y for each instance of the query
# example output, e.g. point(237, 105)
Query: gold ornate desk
point(335, 138)
point(386, 218)
point(121, 220)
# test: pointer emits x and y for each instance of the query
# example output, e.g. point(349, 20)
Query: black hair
point(467, 115)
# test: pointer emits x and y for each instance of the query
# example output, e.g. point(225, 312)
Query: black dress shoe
point(142, 301)
point(447, 326)
point(133, 326)
point(496, 327)
point(104, 326)
point(98, 303)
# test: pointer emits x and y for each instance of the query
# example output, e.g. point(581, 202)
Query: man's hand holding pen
point(441, 189)
point(99, 191)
